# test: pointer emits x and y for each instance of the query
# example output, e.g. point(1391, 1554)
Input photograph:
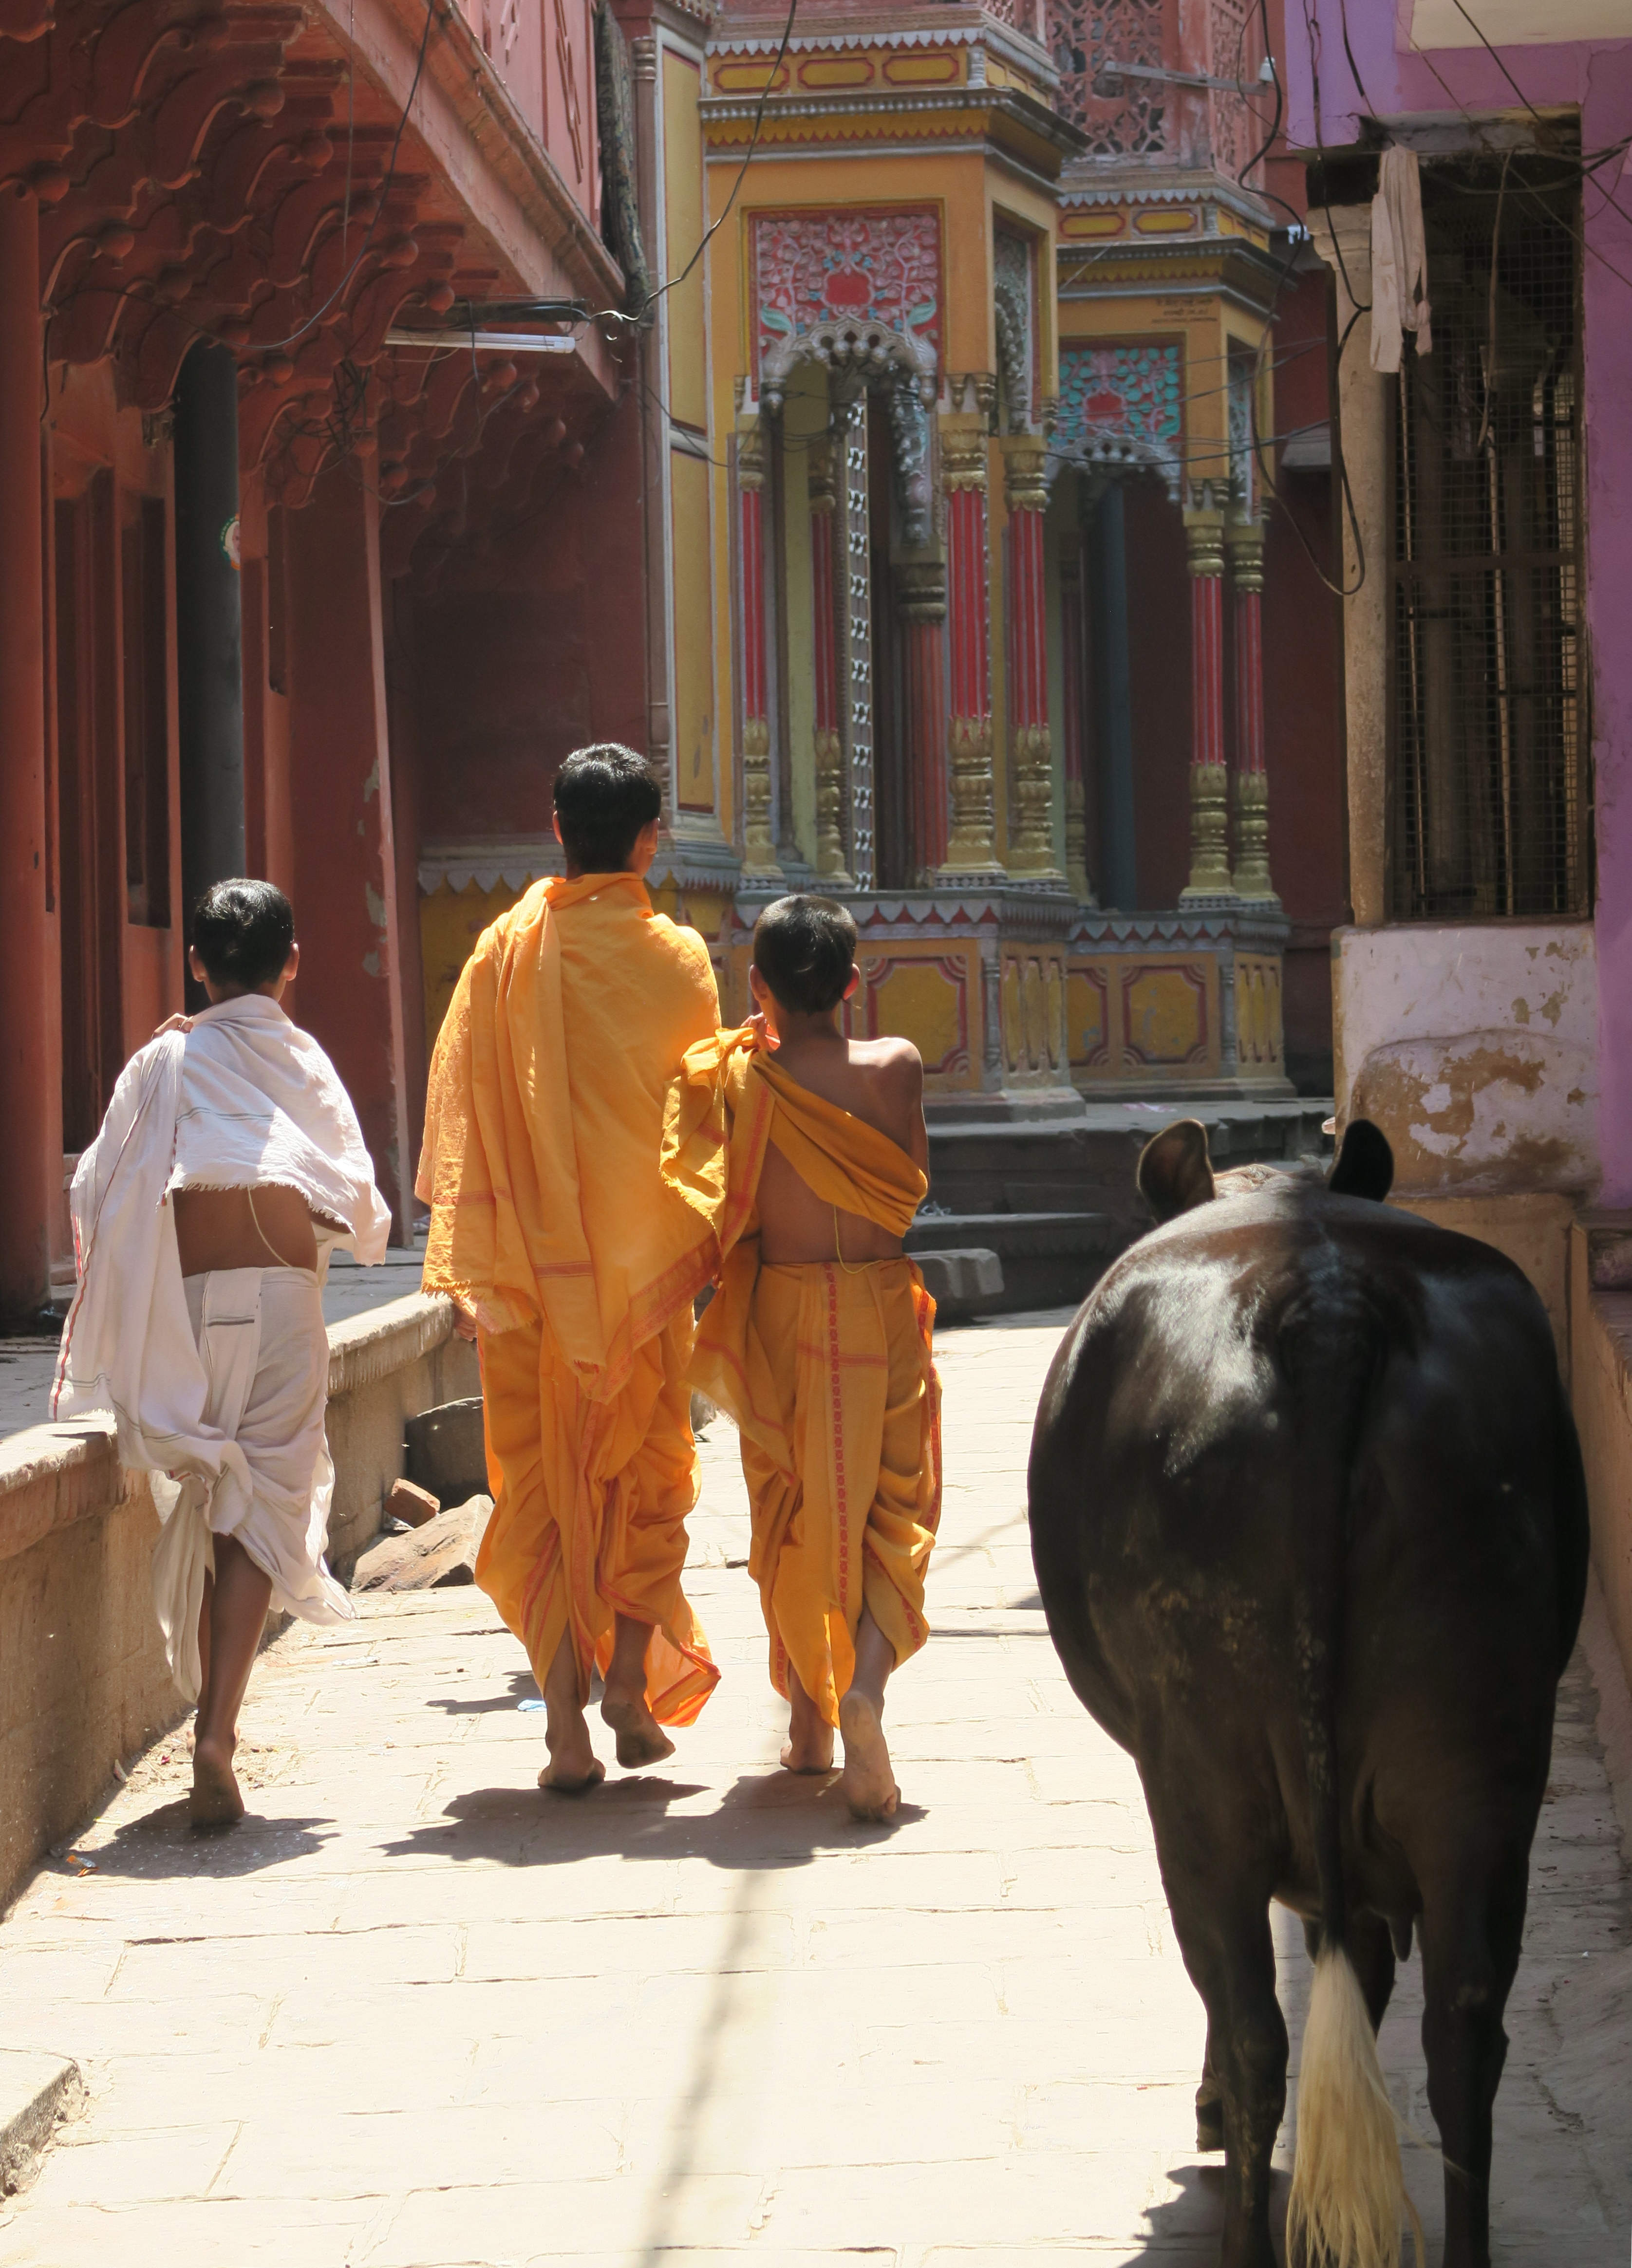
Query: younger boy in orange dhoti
point(806, 1152)
point(552, 1228)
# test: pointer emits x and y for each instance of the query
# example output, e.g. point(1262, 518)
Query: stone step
point(1089, 1163)
point(1048, 1259)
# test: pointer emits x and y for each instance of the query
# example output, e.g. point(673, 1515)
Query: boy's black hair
point(243, 931)
point(603, 797)
point(805, 948)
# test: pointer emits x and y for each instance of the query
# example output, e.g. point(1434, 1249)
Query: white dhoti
point(261, 1338)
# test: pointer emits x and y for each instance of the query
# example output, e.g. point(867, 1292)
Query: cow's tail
point(1348, 2197)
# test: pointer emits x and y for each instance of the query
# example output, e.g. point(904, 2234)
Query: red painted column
point(921, 597)
point(349, 993)
point(1075, 695)
point(1031, 826)
point(971, 847)
point(759, 836)
point(30, 1134)
point(1209, 852)
point(1243, 540)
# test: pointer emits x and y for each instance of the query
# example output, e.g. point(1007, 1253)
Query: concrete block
point(37, 2092)
point(962, 1282)
point(446, 1453)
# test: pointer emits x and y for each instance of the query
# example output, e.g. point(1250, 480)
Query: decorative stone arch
point(859, 290)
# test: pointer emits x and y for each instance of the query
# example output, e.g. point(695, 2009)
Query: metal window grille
point(1487, 732)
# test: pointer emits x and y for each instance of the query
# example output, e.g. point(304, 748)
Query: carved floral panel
point(811, 269)
point(1123, 388)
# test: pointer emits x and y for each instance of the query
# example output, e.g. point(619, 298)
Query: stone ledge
point(52, 1476)
point(366, 1348)
point(37, 2092)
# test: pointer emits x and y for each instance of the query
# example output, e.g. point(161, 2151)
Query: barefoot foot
point(808, 1748)
point(216, 1800)
point(641, 1739)
point(565, 1780)
point(870, 1787)
point(573, 1764)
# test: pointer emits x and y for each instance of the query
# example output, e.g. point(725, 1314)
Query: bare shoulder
point(892, 1073)
point(894, 1063)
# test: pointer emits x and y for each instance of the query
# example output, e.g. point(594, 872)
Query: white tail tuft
point(1349, 2187)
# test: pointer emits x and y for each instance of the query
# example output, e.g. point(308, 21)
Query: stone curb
point(37, 2092)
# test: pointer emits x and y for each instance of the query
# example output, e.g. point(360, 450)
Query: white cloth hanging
point(1400, 301)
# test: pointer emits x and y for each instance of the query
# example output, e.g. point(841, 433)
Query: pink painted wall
point(1325, 106)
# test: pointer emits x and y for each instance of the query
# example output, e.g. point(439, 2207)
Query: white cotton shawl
point(244, 1098)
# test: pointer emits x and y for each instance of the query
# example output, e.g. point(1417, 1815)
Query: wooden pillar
point(972, 848)
point(921, 607)
point(1031, 830)
point(1243, 541)
point(828, 752)
point(759, 832)
point(349, 993)
point(1210, 847)
point(31, 1139)
point(1074, 722)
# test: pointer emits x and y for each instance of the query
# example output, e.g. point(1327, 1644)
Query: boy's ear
point(849, 990)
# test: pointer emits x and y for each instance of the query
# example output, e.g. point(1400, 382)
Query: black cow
point(1311, 1529)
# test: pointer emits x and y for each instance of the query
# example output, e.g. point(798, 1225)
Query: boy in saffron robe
point(552, 1227)
point(806, 1152)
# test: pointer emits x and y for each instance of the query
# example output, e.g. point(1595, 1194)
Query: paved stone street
point(416, 2014)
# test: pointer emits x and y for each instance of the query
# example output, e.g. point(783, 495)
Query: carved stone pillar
point(758, 834)
point(1074, 723)
point(1209, 846)
point(972, 848)
point(1031, 819)
point(1244, 541)
point(828, 744)
point(920, 598)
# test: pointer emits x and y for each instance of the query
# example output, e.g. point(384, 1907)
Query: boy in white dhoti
point(229, 1166)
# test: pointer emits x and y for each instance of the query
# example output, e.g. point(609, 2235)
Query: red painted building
point(306, 489)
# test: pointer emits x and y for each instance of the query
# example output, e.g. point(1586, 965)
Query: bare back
point(879, 1082)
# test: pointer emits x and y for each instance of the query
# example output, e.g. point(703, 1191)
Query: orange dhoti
point(551, 1222)
point(826, 1368)
point(623, 1473)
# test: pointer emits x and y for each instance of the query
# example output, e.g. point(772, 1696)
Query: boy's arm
point(905, 1072)
point(917, 1141)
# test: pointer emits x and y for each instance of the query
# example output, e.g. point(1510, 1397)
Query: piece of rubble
point(413, 1505)
point(433, 1557)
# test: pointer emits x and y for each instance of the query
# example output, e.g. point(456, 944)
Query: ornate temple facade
point(989, 281)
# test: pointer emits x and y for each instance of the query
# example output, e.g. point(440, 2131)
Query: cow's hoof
point(1210, 2126)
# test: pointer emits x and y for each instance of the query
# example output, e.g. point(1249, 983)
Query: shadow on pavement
point(768, 1821)
point(162, 1842)
point(1190, 2226)
point(521, 1689)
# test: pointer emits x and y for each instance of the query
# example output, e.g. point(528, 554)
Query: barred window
point(1487, 738)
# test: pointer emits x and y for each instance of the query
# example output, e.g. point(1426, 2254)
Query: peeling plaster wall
point(1475, 1049)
